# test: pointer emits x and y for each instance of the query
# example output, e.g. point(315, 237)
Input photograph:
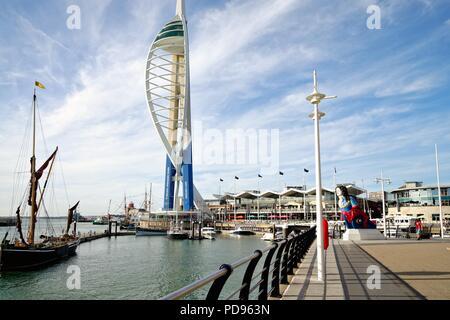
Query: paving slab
point(424, 264)
point(350, 276)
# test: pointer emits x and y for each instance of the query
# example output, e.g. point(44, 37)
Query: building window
point(444, 192)
point(435, 217)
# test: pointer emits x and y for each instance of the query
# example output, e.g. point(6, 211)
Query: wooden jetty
point(91, 236)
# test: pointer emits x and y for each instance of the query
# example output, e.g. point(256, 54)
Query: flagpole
point(259, 195)
point(439, 191)
point(365, 198)
point(304, 195)
point(279, 196)
point(335, 186)
point(235, 193)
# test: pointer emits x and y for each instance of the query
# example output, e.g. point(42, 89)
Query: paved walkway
point(424, 265)
point(347, 277)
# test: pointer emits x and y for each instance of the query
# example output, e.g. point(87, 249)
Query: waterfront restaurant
point(416, 200)
point(293, 203)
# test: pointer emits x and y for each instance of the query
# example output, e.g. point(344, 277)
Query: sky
point(251, 69)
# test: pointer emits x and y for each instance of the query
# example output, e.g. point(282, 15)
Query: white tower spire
point(181, 8)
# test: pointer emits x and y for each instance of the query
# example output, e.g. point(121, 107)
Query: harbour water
point(130, 267)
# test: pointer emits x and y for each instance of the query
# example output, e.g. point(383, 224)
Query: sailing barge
point(20, 254)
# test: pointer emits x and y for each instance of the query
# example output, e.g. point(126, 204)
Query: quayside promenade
point(408, 270)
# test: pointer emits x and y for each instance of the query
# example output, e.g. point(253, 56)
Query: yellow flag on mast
point(39, 85)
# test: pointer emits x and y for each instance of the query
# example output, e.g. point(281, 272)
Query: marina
point(121, 261)
point(195, 161)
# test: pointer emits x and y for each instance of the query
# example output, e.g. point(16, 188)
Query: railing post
point(265, 274)
point(275, 292)
point(284, 266)
point(304, 245)
point(217, 286)
point(298, 250)
point(292, 257)
point(247, 280)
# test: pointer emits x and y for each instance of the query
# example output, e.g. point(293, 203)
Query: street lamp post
point(335, 199)
point(382, 181)
point(259, 196)
point(220, 199)
point(315, 98)
point(304, 193)
point(235, 194)
point(279, 196)
point(441, 217)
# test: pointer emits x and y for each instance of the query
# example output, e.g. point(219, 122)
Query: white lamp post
point(304, 193)
point(382, 181)
point(441, 217)
point(315, 98)
point(259, 196)
point(304, 197)
point(335, 200)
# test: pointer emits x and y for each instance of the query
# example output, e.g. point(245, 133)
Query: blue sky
point(251, 66)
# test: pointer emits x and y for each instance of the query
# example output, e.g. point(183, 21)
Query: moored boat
point(177, 234)
point(150, 232)
point(101, 221)
point(268, 236)
point(20, 254)
point(208, 233)
point(242, 232)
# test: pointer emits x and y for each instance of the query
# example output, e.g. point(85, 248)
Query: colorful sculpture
point(354, 217)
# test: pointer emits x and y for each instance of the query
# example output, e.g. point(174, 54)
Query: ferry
point(101, 221)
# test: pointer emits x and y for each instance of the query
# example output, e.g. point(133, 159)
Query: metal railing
point(280, 260)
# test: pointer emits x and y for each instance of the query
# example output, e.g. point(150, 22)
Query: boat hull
point(23, 259)
point(244, 233)
point(150, 232)
point(177, 235)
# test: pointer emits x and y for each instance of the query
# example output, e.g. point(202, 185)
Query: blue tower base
point(188, 186)
point(169, 188)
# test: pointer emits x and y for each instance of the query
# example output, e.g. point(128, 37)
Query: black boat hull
point(23, 259)
point(244, 233)
point(140, 232)
point(177, 235)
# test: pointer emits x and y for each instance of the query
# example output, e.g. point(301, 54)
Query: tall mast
point(145, 199)
point(125, 204)
point(33, 178)
point(151, 200)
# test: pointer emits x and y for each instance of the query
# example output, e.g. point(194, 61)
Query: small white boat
point(268, 236)
point(209, 233)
